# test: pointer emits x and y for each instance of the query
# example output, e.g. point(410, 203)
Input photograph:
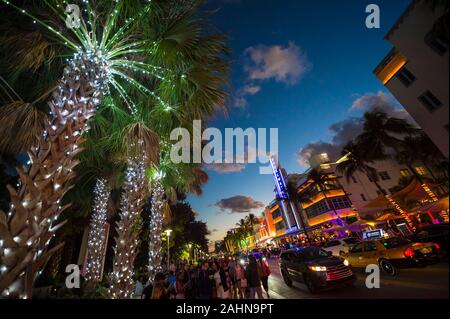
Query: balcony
point(390, 65)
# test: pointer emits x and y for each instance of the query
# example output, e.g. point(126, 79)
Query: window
point(276, 214)
point(357, 248)
point(404, 172)
point(430, 101)
point(354, 179)
point(280, 225)
point(395, 242)
point(339, 202)
point(421, 170)
point(369, 246)
point(436, 42)
point(317, 209)
point(363, 197)
point(384, 176)
point(405, 76)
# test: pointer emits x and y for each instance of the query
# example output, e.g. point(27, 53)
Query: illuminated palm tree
point(117, 55)
point(358, 160)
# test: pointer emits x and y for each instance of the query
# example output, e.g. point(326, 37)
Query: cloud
point(238, 204)
point(283, 64)
point(240, 100)
point(344, 131)
point(238, 161)
point(225, 168)
point(381, 101)
point(251, 89)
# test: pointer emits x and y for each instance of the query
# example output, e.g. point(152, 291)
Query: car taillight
point(437, 246)
point(408, 253)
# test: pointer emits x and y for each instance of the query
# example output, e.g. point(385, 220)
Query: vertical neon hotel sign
point(279, 179)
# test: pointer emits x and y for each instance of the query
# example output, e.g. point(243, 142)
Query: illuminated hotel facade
point(416, 70)
point(340, 201)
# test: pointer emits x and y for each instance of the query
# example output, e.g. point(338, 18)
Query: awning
point(438, 206)
point(413, 192)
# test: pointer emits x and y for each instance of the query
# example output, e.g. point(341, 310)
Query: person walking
point(253, 279)
point(241, 281)
point(204, 283)
point(180, 286)
point(220, 280)
point(232, 275)
point(139, 288)
point(159, 290)
point(265, 273)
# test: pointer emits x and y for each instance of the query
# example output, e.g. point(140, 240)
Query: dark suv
point(316, 268)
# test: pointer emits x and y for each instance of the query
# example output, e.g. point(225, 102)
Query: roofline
point(401, 19)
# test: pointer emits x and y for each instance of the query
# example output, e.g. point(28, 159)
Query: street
point(428, 282)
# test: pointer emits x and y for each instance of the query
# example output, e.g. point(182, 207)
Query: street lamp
point(168, 231)
point(190, 250)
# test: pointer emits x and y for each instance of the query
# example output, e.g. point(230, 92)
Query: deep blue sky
point(340, 53)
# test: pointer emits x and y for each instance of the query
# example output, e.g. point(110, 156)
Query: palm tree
point(321, 180)
point(107, 61)
point(358, 160)
point(97, 66)
point(129, 225)
point(381, 131)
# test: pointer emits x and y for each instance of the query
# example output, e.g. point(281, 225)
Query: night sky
point(304, 67)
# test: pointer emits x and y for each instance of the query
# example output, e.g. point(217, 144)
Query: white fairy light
point(156, 220)
point(97, 232)
point(134, 190)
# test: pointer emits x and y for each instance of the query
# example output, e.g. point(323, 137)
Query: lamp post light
point(190, 252)
point(168, 231)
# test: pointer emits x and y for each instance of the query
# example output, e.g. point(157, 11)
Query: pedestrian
point(241, 281)
point(265, 273)
point(232, 275)
point(204, 283)
point(180, 286)
point(139, 287)
point(220, 279)
point(253, 279)
point(159, 290)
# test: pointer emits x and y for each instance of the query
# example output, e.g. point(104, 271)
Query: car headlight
point(318, 268)
point(242, 261)
point(346, 263)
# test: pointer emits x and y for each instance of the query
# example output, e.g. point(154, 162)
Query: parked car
point(316, 268)
point(338, 247)
point(392, 253)
point(433, 233)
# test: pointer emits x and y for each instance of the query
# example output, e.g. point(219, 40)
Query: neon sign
point(280, 182)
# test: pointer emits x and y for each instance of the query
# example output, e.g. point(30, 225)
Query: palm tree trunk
point(128, 229)
point(326, 199)
point(156, 221)
point(97, 233)
point(27, 229)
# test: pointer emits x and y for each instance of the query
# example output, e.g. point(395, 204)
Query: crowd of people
point(209, 279)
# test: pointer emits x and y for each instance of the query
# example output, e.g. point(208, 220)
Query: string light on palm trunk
point(105, 58)
point(97, 232)
point(131, 203)
point(155, 227)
